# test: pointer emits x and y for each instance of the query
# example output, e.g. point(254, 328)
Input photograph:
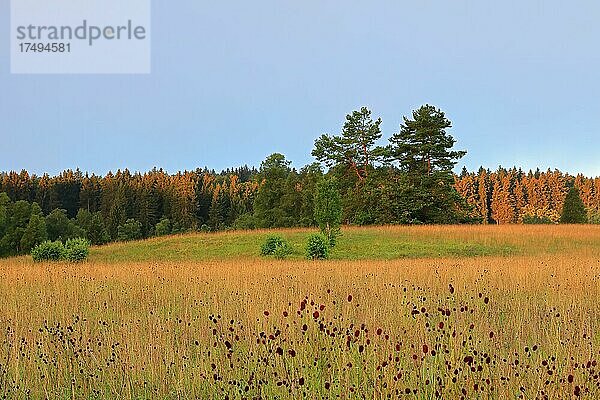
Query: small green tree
point(60, 227)
point(96, 232)
point(245, 221)
point(328, 209)
point(573, 210)
point(163, 228)
point(83, 220)
point(317, 247)
point(594, 217)
point(269, 207)
point(283, 250)
point(130, 230)
point(270, 245)
point(4, 204)
point(35, 233)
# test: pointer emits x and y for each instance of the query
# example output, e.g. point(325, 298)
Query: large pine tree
point(422, 150)
point(356, 148)
point(423, 147)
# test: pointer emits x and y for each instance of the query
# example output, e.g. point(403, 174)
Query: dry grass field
point(507, 312)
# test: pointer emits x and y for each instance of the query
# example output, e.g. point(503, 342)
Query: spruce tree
point(573, 209)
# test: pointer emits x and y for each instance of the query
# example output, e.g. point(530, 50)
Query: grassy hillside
point(378, 243)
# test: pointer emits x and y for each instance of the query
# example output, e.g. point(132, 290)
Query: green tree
point(423, 147)
point(4, 204)
point(163, 228)
point(309, 177)
point(130, 230)
point(422, 150)
point(35, 233)
point(269, 207)
point(18, 219)
point(573, 210)
point(83, 220)
point(60, 227)
point(219, 209)
point(355, 150)
point(328, 209)
point(96, 232)
point(317, 247)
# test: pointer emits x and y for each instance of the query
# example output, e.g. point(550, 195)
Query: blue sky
point(234, 81)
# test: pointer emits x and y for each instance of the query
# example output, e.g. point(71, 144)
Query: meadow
point(472, 312)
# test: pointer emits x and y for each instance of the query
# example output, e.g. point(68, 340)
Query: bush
point(282, 251)
point(317, 247)
point(272, 243)
point(536, 220)
point(130, 230)
point(77, 250)
point(48, 251)
point(245, 222)
point(74, 250)
point(205, 228)
point(163, 228)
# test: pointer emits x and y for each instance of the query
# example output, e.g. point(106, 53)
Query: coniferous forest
point(406, 178)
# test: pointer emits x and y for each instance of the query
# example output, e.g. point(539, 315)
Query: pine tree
point(423, 146)
point(423, 151)
point(355, 149)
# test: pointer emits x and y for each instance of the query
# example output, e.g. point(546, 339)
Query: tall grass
point(515, 326)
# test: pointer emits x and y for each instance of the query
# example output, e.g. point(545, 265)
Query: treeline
point(406, 180)
point(126, 206)
point(509, 196)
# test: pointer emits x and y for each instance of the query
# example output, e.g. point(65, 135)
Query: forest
point(408, 180)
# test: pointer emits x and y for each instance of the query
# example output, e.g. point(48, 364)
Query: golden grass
point(482, 327)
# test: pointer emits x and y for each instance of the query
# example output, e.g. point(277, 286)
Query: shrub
point(177, 229)
point(163, 228)
point(539, 215)
point(271, 244)
point(77, 250)
point(282, 251)
point(48, 251)
point(317, 247)
point(130, 230)
point(536, 220)
point(205, 228)
point(245, 222)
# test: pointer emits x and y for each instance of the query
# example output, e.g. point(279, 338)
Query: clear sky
point(233, 81)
